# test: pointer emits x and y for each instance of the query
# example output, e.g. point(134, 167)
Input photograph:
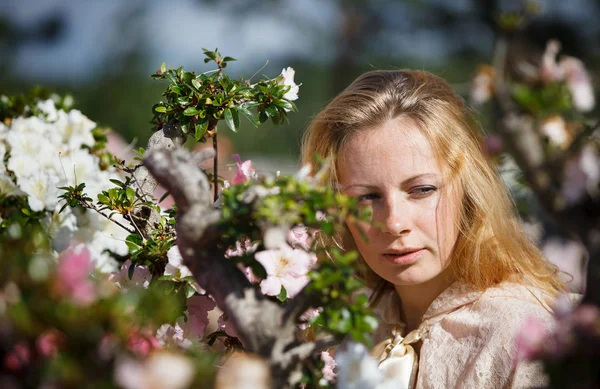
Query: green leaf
point(190, 111)
point(163, 67)
point(160, 109)
point(249, 115)
point(282, 296)
point(130, 193)
point(163, 197)
point(196, 84)
point(262, 116)
point(170, 74)
point(103, 199)
point(200, 129)
point(227, 59)
point(231, 123)
point(117, 182)
point(130, 271)
point(134, 242)
point(271, 111)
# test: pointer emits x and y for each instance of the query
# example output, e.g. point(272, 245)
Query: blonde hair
point(491, 246)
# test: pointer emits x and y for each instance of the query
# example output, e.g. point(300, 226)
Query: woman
point(446, 256)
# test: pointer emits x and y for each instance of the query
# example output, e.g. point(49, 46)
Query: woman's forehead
point(397, 146)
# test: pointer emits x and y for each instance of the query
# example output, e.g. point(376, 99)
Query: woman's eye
point(423, 191)
point(367, 197)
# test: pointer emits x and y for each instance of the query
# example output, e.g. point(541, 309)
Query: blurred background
point(102, 52)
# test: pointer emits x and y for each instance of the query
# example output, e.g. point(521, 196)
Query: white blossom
point(287, 78)
point(356, 368)
point(48, 107)
point(161, 370)
point(175, 267)
point(555, 129)
point(482, 85)
point(42, 191)
point(8, 188)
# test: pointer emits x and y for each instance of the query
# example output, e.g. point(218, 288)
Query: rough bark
point(265, 327)
point(144, 217)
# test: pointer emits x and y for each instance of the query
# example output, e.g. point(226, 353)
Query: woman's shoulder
point(505, 307)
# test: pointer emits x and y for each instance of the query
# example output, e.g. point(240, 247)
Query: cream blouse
point(470, 341)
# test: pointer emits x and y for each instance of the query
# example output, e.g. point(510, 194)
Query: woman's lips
point(404, 259)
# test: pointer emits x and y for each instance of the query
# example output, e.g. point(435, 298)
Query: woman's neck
point(417, 298)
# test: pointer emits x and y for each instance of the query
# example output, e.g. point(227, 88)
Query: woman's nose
point(395, 217)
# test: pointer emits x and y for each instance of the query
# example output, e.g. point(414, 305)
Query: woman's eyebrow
point(406, 182)
point(341, 187)
point(412, 179)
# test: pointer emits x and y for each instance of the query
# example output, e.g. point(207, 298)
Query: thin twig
point(94, 208)
point(131, 219)
point(215, 164)
point(258, 71)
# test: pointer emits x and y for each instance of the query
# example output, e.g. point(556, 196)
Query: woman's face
point(392, 170)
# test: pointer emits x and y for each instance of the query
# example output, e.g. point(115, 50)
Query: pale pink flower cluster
point(328, 369)
point(49, 342)
point(287, 267)
point(530, 338)
point(572, 71)
point(142, 343)
point(573, 326)
point(300, 237)
point(185, 333)
point(73, 275)
point(581, 174)
point(140, 277)
point(308, 317)
point(245, 171)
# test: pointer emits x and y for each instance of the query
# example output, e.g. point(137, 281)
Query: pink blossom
point(492, 145)
point(141, 344)
point(18, 357)
point(300, 237)
point(550, 70)
point(586, 317)
point(244, 172)
point(49, 342)
point(328, 373)
point(573, 72)
point(227, 325)
point(579, 83)
point(141, 276)
point(308, 317)
point(285, 267)
point(108, 346)
point(243, 247)
point(197, 313)
point(175, 335)
point(530, 338)
point(582, 174)
point(73, 275)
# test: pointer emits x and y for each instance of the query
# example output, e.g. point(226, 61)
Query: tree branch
point(258, 320)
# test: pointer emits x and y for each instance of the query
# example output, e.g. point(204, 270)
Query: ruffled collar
point(454, 297)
